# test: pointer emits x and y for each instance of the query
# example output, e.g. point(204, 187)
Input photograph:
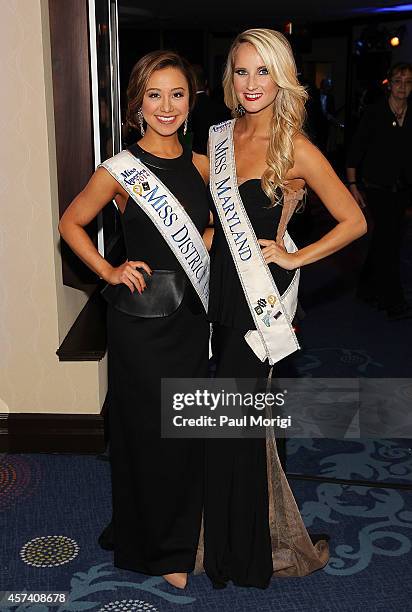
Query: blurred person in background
point(381, 152)
point(206, 112)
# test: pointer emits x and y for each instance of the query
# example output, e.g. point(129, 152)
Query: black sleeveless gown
point(237, 542)
point(157, 484)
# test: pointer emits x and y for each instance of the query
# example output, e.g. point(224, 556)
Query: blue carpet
point(69, 497)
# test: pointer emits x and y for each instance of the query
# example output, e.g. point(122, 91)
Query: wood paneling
point(52, 433)
point(86, 339)
point(73, 117)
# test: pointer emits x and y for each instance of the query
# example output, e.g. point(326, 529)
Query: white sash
point(273, 337)
point(168, 215)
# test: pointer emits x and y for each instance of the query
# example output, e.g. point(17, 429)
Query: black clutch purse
point(163, 295)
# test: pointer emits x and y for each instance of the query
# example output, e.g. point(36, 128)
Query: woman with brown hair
point(260, 164)
point(156, 318)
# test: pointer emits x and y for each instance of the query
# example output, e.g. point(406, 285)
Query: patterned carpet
point(53, 507)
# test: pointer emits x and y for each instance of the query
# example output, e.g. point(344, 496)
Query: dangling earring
point(239, 110)
point(140, 119)
point(185, 126)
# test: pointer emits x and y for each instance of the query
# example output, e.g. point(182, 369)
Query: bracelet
point(352, 183)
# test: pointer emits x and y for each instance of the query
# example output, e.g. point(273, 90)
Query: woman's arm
point(101, 189)
point(202, 164)
point(315, 169)
point(209, 233)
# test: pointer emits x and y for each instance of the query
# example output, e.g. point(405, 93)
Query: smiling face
point(253, 85)
point(165, 103)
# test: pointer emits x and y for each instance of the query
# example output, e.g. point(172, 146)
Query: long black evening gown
point(252, 526)
point(157, 484)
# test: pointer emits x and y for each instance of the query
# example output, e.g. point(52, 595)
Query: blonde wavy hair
point(288, 108)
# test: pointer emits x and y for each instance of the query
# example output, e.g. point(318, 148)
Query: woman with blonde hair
point(157, 324)
point(260, 163)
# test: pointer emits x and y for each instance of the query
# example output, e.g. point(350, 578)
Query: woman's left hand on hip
point(274, 253)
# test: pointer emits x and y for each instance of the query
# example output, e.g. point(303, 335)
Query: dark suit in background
point(206, 112)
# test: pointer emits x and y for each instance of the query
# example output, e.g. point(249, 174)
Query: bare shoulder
point(202, 164)
point(303, 148)
point(101, 189)
point(306, 155)
point(102, 177)
point(313, 167)
point(102, 182)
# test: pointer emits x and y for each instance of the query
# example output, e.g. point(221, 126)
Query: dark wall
point(133, 44)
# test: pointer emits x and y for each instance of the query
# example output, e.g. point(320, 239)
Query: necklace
point(399, 116)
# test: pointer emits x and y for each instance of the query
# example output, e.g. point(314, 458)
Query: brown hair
point(400, 67)
point(143, 70)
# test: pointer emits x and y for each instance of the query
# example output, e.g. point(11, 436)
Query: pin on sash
point(140, 187)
